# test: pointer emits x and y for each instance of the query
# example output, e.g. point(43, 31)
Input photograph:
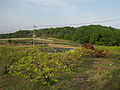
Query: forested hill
point(96, 34)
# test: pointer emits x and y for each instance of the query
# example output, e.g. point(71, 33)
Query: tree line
point(95, 34)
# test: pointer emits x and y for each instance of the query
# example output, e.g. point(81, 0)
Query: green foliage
point(110, 49)
point(18, 34)
point(95, 34)
point(72, 44)
point(10, 41)
point(42, 66)
point(70, 69)
point(9, 55)
point(112, 79)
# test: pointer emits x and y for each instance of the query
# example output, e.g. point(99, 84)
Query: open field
point(86, 76)
point(83, 70)
point(52, 42)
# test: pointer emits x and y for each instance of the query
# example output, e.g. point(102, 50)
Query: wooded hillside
point(95, 34)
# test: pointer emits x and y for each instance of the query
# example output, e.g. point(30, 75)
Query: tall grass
point(111, 49)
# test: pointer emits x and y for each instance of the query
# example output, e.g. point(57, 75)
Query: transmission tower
point(34, 35)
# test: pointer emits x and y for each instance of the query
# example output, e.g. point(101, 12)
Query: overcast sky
point(23, 14)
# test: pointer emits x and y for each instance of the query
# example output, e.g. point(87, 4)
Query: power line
point(107, 21)
point(79, 23)
point(116, 24)
point(61, 25)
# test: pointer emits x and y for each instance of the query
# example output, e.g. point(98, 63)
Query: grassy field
point(110, 49)
point(87, 72)
point(52, 42)
point(87, 76)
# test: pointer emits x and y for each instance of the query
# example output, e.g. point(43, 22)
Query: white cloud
point(48, 2)
point(68, 11)
point(59, 2)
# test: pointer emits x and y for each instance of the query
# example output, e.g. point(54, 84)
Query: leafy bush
point(10, 55)
point(42, 66)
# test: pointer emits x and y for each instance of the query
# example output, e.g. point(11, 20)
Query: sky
point(24, 14)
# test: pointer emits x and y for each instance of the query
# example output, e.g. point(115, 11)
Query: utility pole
point(34, 35)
